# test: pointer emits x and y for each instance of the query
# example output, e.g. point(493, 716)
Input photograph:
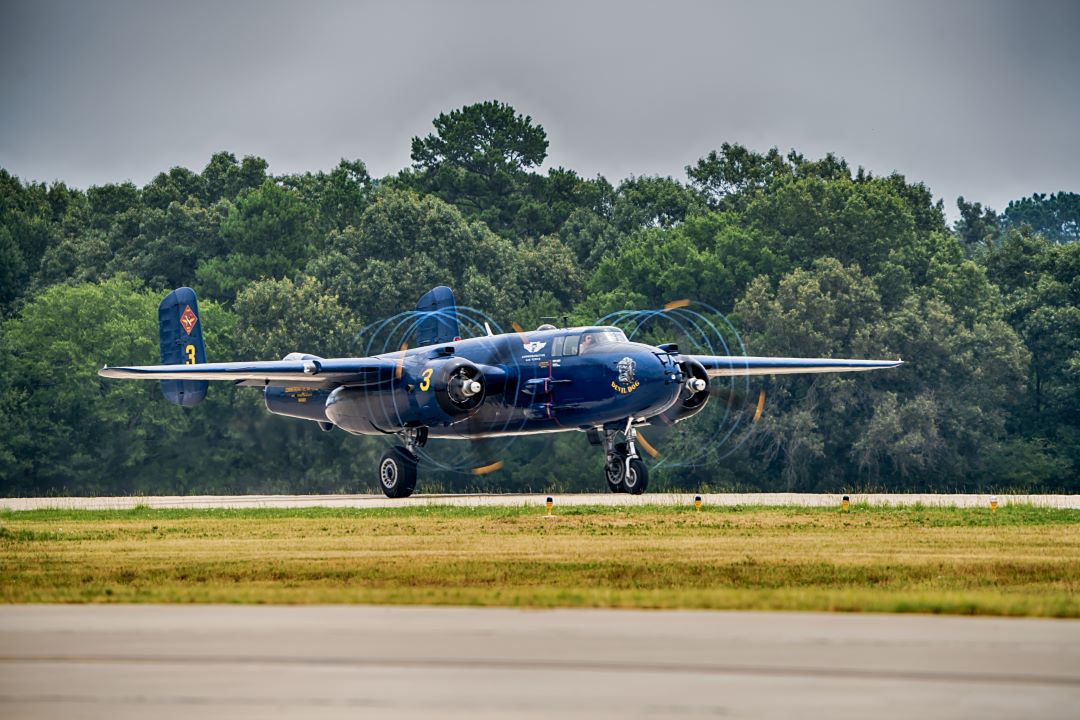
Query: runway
point(421, 662)
point(513, 499)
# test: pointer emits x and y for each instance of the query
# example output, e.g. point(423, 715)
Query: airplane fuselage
point(537, 382)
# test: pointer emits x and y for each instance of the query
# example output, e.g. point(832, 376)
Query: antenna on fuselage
point(488, 328)
point(552, 318)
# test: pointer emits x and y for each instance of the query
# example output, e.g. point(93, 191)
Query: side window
point(556, 346)
point(570, 344)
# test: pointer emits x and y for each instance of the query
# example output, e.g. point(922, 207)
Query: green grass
point(1021, 560)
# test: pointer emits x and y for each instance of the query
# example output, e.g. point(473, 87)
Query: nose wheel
point(624, 471)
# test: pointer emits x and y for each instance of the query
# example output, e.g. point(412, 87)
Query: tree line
point(805, 257)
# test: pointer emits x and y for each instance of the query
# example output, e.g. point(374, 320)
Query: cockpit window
point(566, 345)
point(593, 338)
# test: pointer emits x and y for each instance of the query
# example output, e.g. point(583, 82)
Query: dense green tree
point(275, 317)
point(61, 422)
point(977, 227)
point(485, 138)
point(643, 202)
point(407, 244)
point(734, 172)
point(339, 197)
point(13, 273)
point(1056, 217)
point(224, 177)
point(266, 234)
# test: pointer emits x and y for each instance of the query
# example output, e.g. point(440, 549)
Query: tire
point(615, 468)
point(637, 479)
point(397, 473)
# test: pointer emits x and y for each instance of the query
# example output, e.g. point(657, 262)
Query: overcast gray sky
point(980, 99)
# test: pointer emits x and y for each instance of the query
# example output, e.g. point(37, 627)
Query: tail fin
point(180, 331)
point(439, 321)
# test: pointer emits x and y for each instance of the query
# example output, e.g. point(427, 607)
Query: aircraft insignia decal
point(188, 320)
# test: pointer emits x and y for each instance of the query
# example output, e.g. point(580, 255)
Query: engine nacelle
point(299, 401)
point(694, 395)
point(438, 392)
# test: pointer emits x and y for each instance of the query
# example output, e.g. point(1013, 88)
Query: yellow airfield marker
point(844, 503)
point(697, 503)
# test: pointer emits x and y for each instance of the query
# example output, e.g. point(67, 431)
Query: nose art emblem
point(625, 383)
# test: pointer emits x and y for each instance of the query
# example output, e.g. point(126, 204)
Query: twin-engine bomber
point(590, 379)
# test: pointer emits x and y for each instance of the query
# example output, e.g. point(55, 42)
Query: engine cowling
point(298, 401)
point(437, 392)
point(694, 395)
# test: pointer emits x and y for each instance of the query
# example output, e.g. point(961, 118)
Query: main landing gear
point(397, 467)
point(624, 470)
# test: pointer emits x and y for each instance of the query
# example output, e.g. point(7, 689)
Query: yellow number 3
point(189, 350)
point(426, 382)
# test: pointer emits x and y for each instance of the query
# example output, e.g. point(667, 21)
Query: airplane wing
point(343, 371)
point(730, 365)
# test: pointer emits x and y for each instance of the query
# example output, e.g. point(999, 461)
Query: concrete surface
point(509, 499)
point(401, 662)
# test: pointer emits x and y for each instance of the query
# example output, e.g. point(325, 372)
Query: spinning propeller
point(463, 388)
point(726, 407)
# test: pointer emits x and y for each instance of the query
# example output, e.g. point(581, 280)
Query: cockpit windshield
point(567, 345)
point(595, 338)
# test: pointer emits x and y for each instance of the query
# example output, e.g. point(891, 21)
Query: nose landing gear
point(624, 470)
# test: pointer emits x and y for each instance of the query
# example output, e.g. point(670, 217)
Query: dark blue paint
point(174, 337)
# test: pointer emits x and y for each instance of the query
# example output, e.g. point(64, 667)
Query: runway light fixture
point(697, 503)
point(993, 503)
point(845, 503)
point(550, 504)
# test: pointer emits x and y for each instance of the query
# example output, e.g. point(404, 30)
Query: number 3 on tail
point(189, 350)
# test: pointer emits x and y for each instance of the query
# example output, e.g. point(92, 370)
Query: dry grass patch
point(1018, 561)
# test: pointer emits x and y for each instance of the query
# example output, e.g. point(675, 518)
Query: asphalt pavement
point(422, 662)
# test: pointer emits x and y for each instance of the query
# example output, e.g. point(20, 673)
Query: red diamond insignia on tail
point(188, 320)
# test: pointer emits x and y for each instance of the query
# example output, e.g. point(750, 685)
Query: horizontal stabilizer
point(345, 371)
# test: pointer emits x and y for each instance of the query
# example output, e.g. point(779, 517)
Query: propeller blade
point(760, 405)
point(676, 304)
point(484, 470)
point(401, 362)
point(646, 446)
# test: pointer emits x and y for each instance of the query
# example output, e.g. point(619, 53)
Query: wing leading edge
point(344, 371)
point(734, 365)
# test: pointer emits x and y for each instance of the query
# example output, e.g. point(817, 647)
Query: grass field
point(1020, 560)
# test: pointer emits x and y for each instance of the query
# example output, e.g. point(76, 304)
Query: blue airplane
point(590, 379)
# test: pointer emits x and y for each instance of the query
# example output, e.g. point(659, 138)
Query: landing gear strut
point(397, 467)
point(624, 470)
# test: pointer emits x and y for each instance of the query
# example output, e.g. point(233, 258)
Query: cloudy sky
point(980, 99)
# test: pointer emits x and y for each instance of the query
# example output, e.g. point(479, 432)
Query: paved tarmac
point(402, 662)
point(513, 499)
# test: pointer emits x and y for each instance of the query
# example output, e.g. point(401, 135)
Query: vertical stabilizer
point(438, 321)
point(180, 331)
